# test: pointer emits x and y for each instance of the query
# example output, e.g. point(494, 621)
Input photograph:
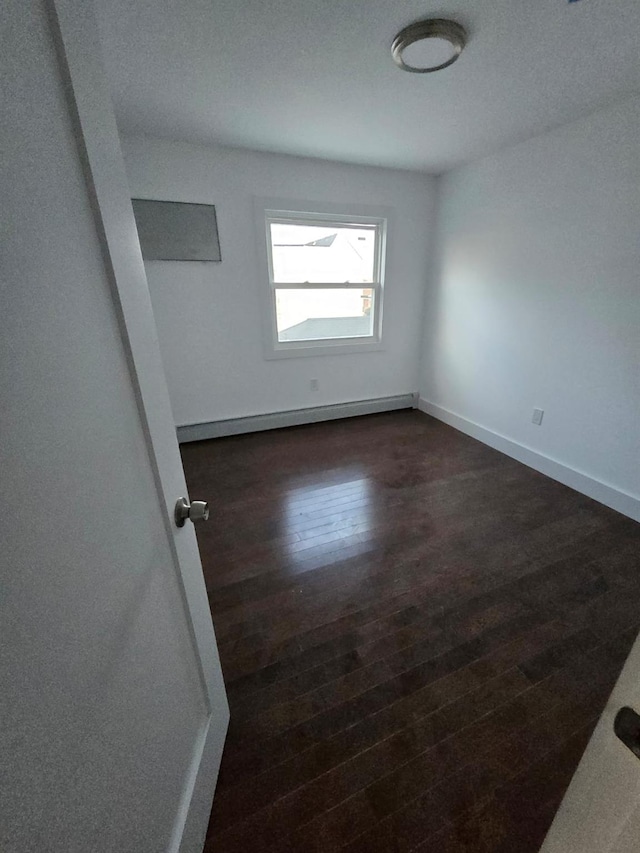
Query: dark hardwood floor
point(417, 633)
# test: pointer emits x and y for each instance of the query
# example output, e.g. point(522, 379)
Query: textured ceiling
point(317, 79)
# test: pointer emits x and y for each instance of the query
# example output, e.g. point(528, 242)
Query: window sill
point(295, 350)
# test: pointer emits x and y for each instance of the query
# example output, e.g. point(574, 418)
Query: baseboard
point(295, 417)
point(602, 492)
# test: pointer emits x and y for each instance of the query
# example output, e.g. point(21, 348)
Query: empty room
point(320, 426)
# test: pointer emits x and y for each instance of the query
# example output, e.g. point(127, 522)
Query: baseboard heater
point(294, 417)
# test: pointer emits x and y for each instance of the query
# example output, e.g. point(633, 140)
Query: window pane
point(322, 253)
point(321, 314)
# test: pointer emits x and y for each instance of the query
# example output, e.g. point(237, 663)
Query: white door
point(600, 812)
point(112, 706)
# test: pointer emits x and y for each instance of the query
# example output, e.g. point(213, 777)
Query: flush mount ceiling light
point(428, 45)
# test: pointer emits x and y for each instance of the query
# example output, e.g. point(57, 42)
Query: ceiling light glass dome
point(428, 45)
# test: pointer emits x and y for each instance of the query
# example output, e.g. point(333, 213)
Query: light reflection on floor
point(326, 523)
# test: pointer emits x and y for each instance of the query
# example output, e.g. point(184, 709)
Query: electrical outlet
point(314, 384)
point(537, 416)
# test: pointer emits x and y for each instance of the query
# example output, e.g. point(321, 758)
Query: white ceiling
point(315, 77)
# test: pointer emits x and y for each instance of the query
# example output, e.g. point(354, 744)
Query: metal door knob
point(196, 511)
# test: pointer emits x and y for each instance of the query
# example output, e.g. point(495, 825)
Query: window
point(325, 281)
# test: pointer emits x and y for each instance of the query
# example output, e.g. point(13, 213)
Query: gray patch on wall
point(177, 231)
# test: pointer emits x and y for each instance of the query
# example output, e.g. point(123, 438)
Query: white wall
point(208, 315)
point(536, 298)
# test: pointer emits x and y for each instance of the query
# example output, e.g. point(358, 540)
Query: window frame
point(324, 216)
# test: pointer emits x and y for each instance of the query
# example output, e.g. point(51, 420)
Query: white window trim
point(268, 210)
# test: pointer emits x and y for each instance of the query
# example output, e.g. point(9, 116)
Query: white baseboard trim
point(614, 498)
point(295, 417)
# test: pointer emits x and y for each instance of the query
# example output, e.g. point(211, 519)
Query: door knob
point(196, 511)
point(627, 727)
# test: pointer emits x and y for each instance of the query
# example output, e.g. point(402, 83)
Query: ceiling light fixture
point(428, 45)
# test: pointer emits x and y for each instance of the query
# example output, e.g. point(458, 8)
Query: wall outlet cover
point(538, 414)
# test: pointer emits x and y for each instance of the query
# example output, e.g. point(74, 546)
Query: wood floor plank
point(417, 634)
